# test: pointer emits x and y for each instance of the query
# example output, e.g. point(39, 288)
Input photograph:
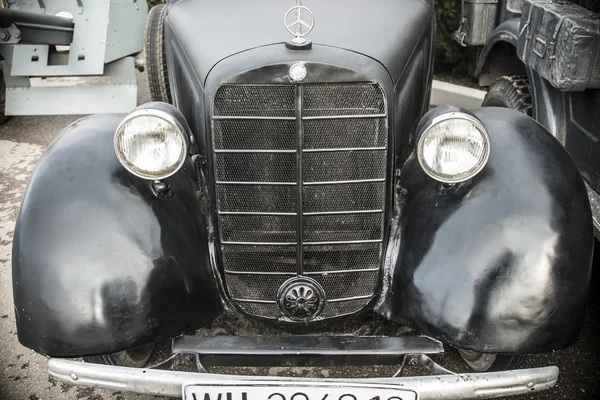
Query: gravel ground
point(23, 373)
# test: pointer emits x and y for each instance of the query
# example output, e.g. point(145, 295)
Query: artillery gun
point(69, 56)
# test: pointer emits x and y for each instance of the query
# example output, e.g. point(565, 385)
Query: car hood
point(385, 30)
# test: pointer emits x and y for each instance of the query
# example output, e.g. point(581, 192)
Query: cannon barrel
point(34, 28)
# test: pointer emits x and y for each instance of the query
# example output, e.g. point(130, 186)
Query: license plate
point(264, 390)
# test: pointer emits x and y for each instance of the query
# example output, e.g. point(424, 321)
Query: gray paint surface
point(114, 92)
point(98, 24)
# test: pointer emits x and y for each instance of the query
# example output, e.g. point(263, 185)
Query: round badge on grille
point(301, 298)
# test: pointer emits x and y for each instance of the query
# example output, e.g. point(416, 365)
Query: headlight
point(151, 144)
point(453, 148)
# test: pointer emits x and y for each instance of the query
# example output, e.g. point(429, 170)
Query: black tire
point(134, 358)
point(156, 59)
point(482, 362)
point(3, 117)
point(510, 92)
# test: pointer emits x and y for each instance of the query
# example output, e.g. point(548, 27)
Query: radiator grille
point(300, 178)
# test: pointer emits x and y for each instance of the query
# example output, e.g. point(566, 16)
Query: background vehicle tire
point(135, 358)
point(156, 59)
point(510, 92)
point(482, 362)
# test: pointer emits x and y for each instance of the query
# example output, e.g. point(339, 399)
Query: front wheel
point(134, 358)
point(510, 92)
point(482, 362)
point(156, 59)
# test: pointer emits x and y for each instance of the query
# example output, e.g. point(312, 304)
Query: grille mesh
point(266, 101)
point(258, 228)
point(257, 198)
point(260, 258)
point(344, 166)
point(262, 167)
point(255, 134)
point(253, 287)
point(339, 286)
point(346, 307)
point(350, 133)
point(335, 228)
point(255, 139)
point(345, 197)
point(342, 99)
point(341, 257)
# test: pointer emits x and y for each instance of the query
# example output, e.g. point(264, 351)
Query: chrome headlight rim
point(153, 112)
point(458, 178)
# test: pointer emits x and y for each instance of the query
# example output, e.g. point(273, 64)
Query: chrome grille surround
point(300, 174)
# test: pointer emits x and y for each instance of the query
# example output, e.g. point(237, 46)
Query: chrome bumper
point(169, 383)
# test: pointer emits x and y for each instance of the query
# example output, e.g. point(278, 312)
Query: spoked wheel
point(482, 362)
point(510, 92)
point(156, 60)
point(135, 358)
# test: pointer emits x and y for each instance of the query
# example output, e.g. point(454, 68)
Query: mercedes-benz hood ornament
point(299, 21)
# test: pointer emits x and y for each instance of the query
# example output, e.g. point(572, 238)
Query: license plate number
point(295, 391)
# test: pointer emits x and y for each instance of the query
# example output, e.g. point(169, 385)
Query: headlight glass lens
point(150, 144)
point(454, 148)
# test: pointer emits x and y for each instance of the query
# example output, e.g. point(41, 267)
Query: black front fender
point(101, 264)
point(500, 263)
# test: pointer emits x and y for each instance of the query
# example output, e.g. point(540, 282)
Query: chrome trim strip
point(343, 242)
point(257, 183)
point(344, 271)
point(320, 273)
point(345, 149)
point(343, 212)
point(254, 301)
point(343, 182)
point(231, 117)
point(269, 214)
point(344, 117)
point(253, 151)
point(260, 243)
point(299, 92)
point(350, 299)
point(259, 273)
point(169, 383)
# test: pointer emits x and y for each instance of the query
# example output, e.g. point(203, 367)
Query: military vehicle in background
point(69, 56)
point(542, 58)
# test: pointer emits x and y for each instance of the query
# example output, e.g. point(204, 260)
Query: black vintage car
point(294, 182)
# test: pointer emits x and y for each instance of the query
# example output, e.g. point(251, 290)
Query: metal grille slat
point(300, 176)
